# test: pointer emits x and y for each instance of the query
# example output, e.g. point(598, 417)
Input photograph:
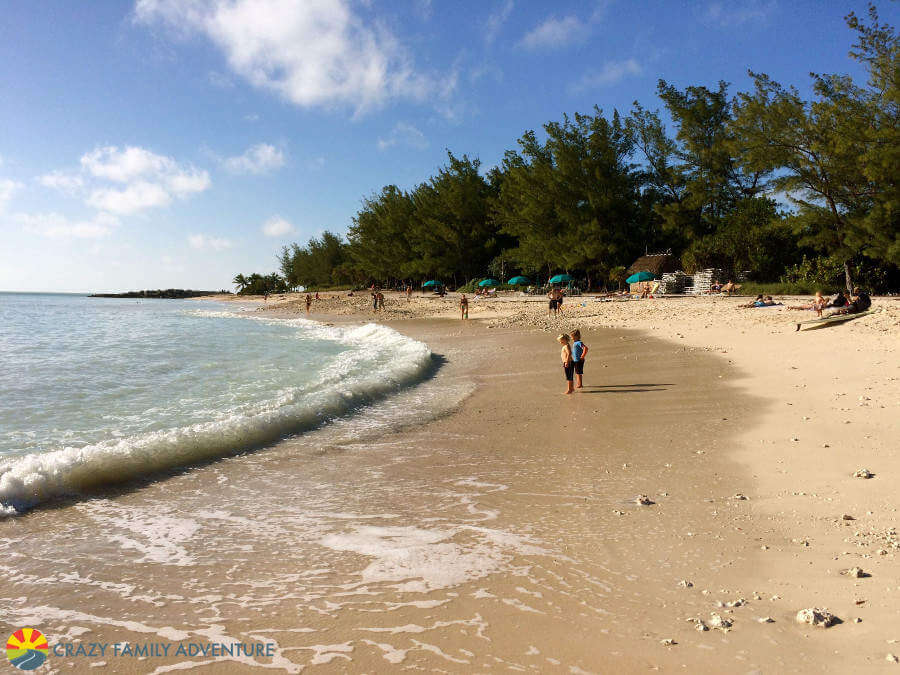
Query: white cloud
point(277, 226)
point(404, 134)
point(736, 13)
point(611, 73)
point(58, 226)
point(136, 197)
point(63, 181)
point(259, 158)
point(150, 180)
point(496, 20)
point(7, 189)
point(203, 241)
point(555, 33)
point(314, 54)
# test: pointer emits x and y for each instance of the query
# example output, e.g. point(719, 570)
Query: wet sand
point(501, 535)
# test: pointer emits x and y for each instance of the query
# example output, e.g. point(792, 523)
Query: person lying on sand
point(817, 304)
point(748, 305)
point(568, 364)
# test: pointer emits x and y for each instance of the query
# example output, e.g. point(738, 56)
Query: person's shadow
point(626, 388)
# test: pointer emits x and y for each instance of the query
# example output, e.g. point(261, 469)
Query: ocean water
point(96, 390)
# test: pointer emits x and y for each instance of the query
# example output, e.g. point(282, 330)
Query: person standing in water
point(308, 302)
point(565, 355)
point(463, 307)
point(579, 351)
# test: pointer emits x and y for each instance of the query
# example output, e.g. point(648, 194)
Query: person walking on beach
point(463, 307)
point(408, 291)
point(579, 351)
point(568, 364)
point(559, 300)
point(380, 298)
point(551, 310)
point(374, 301)
point(308, 302)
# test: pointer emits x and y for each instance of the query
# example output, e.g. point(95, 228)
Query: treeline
point(258, 284)
point(595, 191)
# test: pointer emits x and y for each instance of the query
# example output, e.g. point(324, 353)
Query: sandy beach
point(815, 408)
point(501, 530)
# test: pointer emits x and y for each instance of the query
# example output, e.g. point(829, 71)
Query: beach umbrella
point(519, 281)
point(488, 282)
point(640, 276)
point(432, 282)
point(560, 279)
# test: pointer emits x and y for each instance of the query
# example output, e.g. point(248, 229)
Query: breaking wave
point(379, 362)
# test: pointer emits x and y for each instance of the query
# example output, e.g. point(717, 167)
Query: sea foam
point(381, 362)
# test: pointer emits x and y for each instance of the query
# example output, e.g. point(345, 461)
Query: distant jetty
point(169, 293)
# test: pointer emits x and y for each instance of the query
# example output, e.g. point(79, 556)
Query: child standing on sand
point(579, 351)
point(568, 364)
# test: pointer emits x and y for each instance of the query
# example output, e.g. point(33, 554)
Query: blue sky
point(175, 143)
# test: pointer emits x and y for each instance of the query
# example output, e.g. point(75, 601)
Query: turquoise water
point(95, 390)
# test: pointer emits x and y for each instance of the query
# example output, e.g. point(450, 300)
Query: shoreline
point(830, 409)
point(504, 532)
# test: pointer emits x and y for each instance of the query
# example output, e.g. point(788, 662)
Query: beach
point(501, 529)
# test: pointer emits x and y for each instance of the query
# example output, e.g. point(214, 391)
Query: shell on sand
point(643, 500)
point(684, 583)
point(862, 473)
point(856, 573)
point(668, 642)
point(720, 622)
point(816, 617)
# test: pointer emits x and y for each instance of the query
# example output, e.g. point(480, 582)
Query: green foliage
point(752, 288)
point(592, 192)
point(258, 284)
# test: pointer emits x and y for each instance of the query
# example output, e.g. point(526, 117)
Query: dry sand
point(505, 533)
point(828, 402)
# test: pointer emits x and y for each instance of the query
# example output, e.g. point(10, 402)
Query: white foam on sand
point(422, 560)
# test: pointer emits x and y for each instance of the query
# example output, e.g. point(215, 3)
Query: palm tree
point(240, 281)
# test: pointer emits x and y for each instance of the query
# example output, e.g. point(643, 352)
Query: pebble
point(668, 642)
point(856, 573)
point(891, 658)
point(684, 583)
point(862, 473)
point(643, 500)
point(719, 622)
point(816, 617)
point(847, 516)
point(739, 497)
point(766, 619)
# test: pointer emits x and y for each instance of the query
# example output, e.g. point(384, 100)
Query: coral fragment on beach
point(766, 619)
point(862, 473)
point(668, 642)
point(856, 573)
point(720, 622)
point(816, 617)
point(684, 583)
point(643, 500)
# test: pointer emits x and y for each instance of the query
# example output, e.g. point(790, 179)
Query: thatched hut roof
point(657, 263)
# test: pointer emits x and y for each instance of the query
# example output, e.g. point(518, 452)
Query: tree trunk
point(847, 280)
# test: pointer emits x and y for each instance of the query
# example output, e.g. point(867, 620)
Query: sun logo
point(27, 649)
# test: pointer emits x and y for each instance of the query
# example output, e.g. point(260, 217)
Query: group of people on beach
point(572, 355)
point(859, 301)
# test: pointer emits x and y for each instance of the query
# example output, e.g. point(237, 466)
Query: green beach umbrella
point(519, 281)
point(640, 276)
point(432, 282)
point(488, 282)
point(560, 279)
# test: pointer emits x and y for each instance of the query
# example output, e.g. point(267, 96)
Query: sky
point(176, 143)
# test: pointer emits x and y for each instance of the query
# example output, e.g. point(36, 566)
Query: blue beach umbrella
point(519, 281)
point(640, 276)
point(432, 282)
point(560, 279)
point(488, 282)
